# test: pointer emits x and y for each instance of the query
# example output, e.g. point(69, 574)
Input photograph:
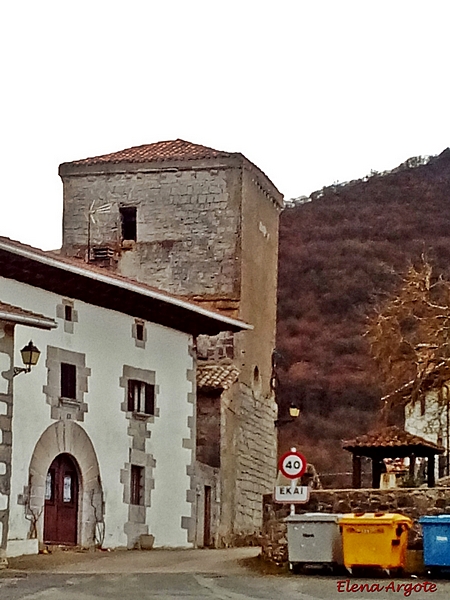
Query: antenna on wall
point(104, 208)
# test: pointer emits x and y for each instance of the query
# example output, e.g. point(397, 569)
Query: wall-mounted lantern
point(294, 412)
point(30, 356)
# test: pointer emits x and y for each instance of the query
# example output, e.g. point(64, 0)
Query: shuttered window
point(137, 485)
point(141, 397)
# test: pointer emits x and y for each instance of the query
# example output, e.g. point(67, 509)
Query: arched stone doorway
point(66, 446)
point(61, 501)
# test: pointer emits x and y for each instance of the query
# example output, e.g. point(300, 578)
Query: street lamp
point(30, 356)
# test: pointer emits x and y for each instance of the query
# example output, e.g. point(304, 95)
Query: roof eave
point(234, 160)
point(213, 320)
point(39, 323)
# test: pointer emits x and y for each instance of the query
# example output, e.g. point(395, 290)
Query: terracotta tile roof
point(389, 437)
point(216, 376)
point(18, 314)
point(173, 150)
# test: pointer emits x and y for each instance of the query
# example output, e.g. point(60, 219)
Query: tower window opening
point(68, 312)
point(128, 222)
point(140, 331)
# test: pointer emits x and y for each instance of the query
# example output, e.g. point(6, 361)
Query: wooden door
point(61, 502)
point(207, 518)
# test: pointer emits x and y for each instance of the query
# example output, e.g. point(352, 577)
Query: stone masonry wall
point(6, 409)
point(215, 348)
point(208, 427)
point(412, 502)
point(187, 226)
point(253, 398)
point(256, 459)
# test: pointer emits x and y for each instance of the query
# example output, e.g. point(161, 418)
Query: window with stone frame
point(137, 485)
point(69, 315)
point(67, 383)
point(139, 333)
point(141, 397)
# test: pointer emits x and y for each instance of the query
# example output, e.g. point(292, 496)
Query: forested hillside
point(343, 251)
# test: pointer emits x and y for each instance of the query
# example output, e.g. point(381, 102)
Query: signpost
point(292, 465)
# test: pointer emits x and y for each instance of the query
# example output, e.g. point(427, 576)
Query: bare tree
point(32, 514)
point(409, 337)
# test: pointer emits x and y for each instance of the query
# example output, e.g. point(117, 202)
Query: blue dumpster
point(436, 540)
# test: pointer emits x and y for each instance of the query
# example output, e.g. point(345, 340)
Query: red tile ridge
point(173, 150)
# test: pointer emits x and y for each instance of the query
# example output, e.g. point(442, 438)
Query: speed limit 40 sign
point(292, 464)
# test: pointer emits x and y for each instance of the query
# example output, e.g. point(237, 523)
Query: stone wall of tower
point(248, 408)
point(252, 400)
point(188, 225)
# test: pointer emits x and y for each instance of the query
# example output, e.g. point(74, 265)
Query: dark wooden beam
point(430, 471)
point(412, 466)
point(376, 473)
point(356, 473)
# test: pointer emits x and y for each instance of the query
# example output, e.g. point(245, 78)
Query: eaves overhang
point(20, 316)
point(232, 161)
point(67, 277)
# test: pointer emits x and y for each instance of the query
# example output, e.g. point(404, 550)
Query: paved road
point(189, 586)
point(194, 575)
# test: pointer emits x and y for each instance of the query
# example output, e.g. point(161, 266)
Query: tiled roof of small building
point(174, 150)
point(18, 314)
point(389, 437)
point(216, 376)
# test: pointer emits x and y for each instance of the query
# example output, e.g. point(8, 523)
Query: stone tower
point(202, 224)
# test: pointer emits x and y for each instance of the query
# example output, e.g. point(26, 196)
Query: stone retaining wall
point(412, 502)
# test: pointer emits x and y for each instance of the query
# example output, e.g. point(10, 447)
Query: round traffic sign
point(292, 464)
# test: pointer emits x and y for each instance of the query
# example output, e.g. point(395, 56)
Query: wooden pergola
point(391, 442)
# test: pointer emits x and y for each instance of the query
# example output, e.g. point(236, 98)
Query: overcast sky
point(310, 91)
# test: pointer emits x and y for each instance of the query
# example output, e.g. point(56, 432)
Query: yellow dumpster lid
point(377, 518)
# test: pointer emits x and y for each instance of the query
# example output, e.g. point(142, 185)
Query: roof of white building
point(20, 316)
point(94, 285)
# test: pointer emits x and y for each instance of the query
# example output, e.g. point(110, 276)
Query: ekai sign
point(292, 494)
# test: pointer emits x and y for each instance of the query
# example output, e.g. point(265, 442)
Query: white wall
point(105, 338)
point(429, 425)
point(433, 425)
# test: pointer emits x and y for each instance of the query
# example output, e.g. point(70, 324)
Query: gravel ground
point(227, 561)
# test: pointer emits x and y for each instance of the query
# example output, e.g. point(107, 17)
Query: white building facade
point(97, 441)
point(430, 419)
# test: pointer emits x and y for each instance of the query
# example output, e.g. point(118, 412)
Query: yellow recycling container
point(375, 540)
